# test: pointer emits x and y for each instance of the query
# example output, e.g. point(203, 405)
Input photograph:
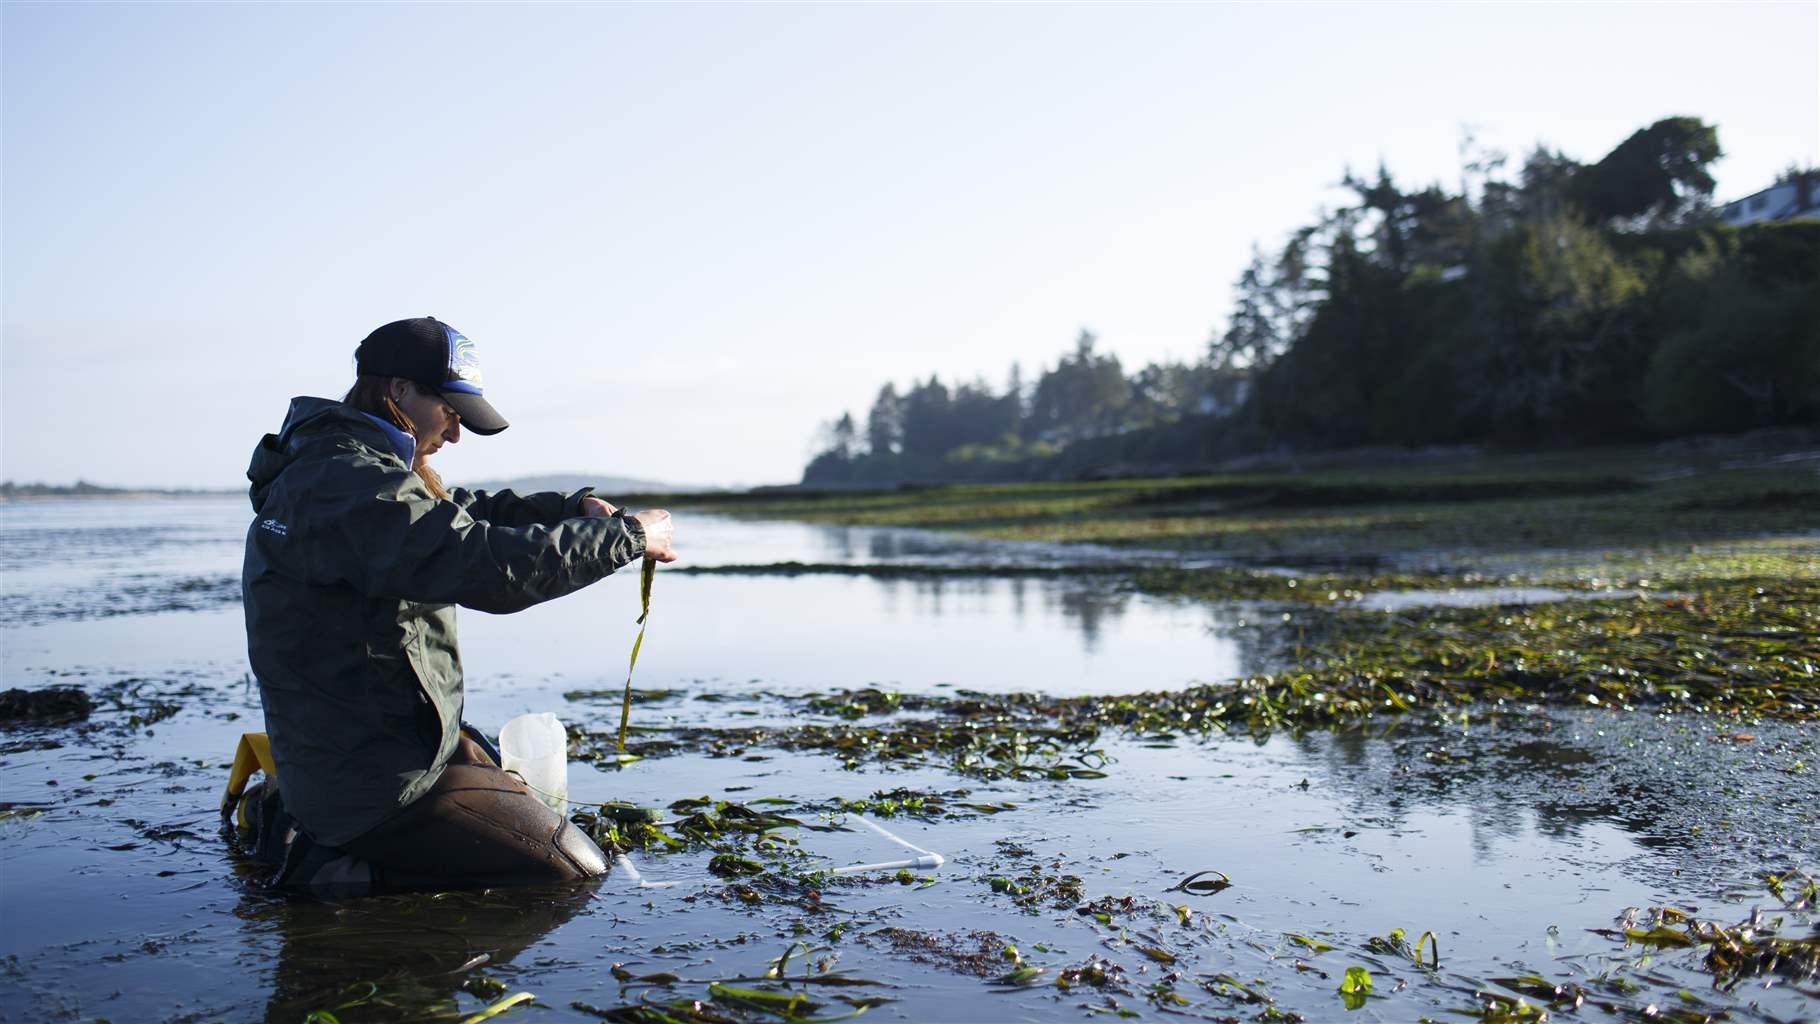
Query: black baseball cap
point(436, 356)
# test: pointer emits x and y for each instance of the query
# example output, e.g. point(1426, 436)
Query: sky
point(684, 236)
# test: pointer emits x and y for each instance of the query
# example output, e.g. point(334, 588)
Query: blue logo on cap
point(464, 364)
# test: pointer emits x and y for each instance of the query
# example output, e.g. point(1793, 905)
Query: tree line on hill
point(1566, 303)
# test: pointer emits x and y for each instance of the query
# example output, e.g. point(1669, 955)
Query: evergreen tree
point(1017, 403)
point(1252, 339)
point(1653, 175)
point(1163, 392)
point(837, 445)
point(885, 423)
point(928, 426)
point(1084, 396)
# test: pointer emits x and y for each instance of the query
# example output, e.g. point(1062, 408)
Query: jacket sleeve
point(391, 538)
point(509, 508)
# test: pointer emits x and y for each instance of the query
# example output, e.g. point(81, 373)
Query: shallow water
point(104, 557)
point(1509, 834)
point(1481, 597)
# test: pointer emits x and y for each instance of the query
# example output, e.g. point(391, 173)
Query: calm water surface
point(1509, 835)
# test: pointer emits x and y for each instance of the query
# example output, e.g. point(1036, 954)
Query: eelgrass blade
point(645, 576)
point(498, 1008)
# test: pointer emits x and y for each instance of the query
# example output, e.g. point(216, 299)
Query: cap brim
point(476, 413)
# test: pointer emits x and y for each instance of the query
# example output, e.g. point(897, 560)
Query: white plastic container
point(537, 747)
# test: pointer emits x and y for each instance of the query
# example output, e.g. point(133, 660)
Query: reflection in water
point(721, 540)
point(900, 545)
point(881, 546)
point(1389, 775)
point(913, 633)
point(402, 956)
point(1088, 609)
point(1567, 775)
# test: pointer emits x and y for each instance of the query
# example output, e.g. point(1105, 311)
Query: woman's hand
point(593, 506)
point(658, 531)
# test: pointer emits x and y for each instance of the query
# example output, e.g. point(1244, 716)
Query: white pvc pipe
point(926, 858)
point(625, 864)
point(933, 860)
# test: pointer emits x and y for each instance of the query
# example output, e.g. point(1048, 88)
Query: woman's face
point(436, 422)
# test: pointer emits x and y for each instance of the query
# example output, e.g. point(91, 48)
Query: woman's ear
point(396, 388)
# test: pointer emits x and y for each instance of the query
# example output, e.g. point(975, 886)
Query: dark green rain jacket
point(353, 571)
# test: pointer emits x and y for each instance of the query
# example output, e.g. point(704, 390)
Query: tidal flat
point(1513, 739)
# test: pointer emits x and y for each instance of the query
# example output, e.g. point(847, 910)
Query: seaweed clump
point(1743, 647)
point(53, 705)
point(1733, 953)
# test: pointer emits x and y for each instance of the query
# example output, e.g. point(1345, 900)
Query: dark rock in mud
point(53, 705)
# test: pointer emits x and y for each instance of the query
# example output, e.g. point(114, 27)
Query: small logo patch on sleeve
point(275, 526)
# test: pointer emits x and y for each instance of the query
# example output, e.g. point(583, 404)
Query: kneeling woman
point(355, 561)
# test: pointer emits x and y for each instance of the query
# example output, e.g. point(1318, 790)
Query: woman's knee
point(481, 826)
point(551, 840)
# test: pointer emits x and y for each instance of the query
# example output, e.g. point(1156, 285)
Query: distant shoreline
point(612, 486)
point(47, 492)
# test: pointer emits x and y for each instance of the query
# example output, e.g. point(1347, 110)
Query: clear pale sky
point(682, 236)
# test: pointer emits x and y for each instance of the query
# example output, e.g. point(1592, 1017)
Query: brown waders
point(477, 826)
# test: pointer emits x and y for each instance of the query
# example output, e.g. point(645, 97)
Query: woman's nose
point(453, 434)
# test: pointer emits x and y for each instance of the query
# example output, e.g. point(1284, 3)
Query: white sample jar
point(536, 747)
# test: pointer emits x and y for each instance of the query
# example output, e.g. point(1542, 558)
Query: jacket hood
point(307, 419)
